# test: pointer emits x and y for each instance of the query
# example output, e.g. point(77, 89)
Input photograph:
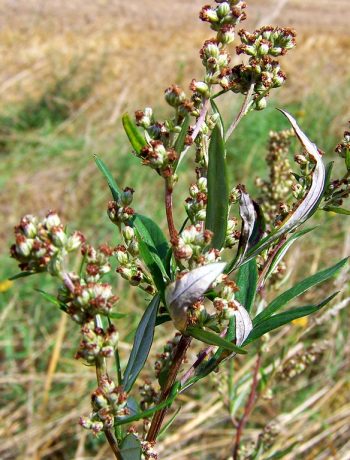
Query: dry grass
point(132, 51)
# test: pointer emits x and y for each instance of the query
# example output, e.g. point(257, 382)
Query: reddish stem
point(169, 213)
point(248, 408)
point(179, 356)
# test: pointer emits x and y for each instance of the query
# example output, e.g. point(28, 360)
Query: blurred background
point(69, 70)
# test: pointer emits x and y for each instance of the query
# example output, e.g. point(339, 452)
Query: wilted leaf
point(243, 323)
point(183, 292)
point(307, 205)
point(248, 216)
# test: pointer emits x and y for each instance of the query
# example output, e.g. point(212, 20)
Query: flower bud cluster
point(148, 450)
point(261, 70)
point(148, 394)
point(268, 40)
point(224, 303)
point(269, 434)
point(299, 362)
point(41, 246)
point(232, 234)
point(196, 203)
point(120, 211)
point(108, 402)
point(224, 18)
point(85, 300)
point(97, 261)
point(158, 157)
point(97, 343)
point(276, 190)
point(191, 244)
point(129, 265)
point(165, 358)
point(343, 148)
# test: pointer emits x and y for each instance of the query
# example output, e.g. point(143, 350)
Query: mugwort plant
point(208, 279)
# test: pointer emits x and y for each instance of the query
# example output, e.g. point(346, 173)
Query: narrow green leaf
point(154, 264)
point(298, 289)
point(149, 412)
point(347, 159)
point(161, 319)
point(131, 448)
point(286, 317)
point(52, 299)
point(213, 339)
point(118, 315)
point(135, 137)
point(180, 140)
point(108, 175)
point(152, 235)
point(217, 111)
point(346, 212)
point(282, 453)
point(247, 281)
point(21, 275)
point(142, 344)
point(218, 191)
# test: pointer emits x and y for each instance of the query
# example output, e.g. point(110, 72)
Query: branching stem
point(241, 113)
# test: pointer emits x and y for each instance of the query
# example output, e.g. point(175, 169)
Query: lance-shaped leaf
point(243, 323)
point(182, 293)
point(213, 339)
point(307, 205)
point(131, 448)
point(337, 210)
point(110, 179)
point(247, 281)
point(286, 317)
point(135, 137)
point(297, 290)
point(180, 140)
point(142, 344)
point(218, 191)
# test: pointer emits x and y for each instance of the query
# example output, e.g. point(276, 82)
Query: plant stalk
point(101, 370)
point(179, 356)
point(248, 408)
point(241, 113)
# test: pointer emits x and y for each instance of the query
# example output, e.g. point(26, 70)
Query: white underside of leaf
point(243, 323)
point(191, 287)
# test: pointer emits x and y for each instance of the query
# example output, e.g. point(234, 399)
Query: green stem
point(241, 113)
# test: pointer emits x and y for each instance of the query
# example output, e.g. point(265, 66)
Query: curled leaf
point(247, 213)
point(305, 208)
point(184, 292)
point(244, 324)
